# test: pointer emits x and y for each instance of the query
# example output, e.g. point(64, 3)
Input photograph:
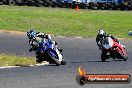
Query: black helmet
point(46, 36)
point(29, 32)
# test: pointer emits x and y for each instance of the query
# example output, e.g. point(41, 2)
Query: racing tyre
point(39, 5)
point(12, 2)
point(53, 59)
point(103, 57)
point(1, 3)
point(38, 61)
point(63, 62)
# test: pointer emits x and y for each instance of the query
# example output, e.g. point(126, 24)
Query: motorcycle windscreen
point(107, 42)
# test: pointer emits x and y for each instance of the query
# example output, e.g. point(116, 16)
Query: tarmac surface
point(78, 52)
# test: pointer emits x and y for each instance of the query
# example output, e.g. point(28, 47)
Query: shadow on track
point(76, 62)
point(88, 61)
point(51, 65)
point(117, 60)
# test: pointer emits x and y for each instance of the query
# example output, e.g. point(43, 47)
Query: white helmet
point(101, 33)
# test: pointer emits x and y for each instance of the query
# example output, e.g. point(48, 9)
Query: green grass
point(66, 22)
point(12, 60)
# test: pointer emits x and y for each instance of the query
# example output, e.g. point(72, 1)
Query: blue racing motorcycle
point(47, 52)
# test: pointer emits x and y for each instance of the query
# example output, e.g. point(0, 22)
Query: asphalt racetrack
point(78, 52)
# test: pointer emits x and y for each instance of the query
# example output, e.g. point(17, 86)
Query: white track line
point(8, 67)
point(45, 63)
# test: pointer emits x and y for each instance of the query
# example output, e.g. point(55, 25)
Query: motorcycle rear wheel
point(103, 57)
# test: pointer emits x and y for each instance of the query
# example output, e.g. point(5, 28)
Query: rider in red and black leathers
point(101, 35)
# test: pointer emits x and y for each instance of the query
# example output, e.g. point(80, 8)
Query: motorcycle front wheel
point(63, 62)
point(54, 59)
point(121, 55)
point(103, 57)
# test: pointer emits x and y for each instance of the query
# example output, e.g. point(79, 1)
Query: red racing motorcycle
point(115, 50)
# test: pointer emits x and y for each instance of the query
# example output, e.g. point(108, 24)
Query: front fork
point(59, 54)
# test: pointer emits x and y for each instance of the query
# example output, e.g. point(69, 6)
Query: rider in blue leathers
point(33, 41)
point(32, 35)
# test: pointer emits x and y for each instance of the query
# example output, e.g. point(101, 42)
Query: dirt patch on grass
point(16, 32)
point(24, 33)
point(13, 32)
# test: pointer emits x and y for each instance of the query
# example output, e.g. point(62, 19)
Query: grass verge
point(12, 60)
point(65, 22)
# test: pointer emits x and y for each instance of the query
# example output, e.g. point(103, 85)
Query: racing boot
point(31, 49)
point(60, 49)
point(122, 45)
point(38, 59)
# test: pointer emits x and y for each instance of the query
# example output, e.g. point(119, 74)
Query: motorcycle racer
point(40, 43)
point(100, 36)
point(32, 35)
point(34, 39)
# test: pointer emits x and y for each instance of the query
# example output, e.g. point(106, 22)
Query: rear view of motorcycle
point(115, 50)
